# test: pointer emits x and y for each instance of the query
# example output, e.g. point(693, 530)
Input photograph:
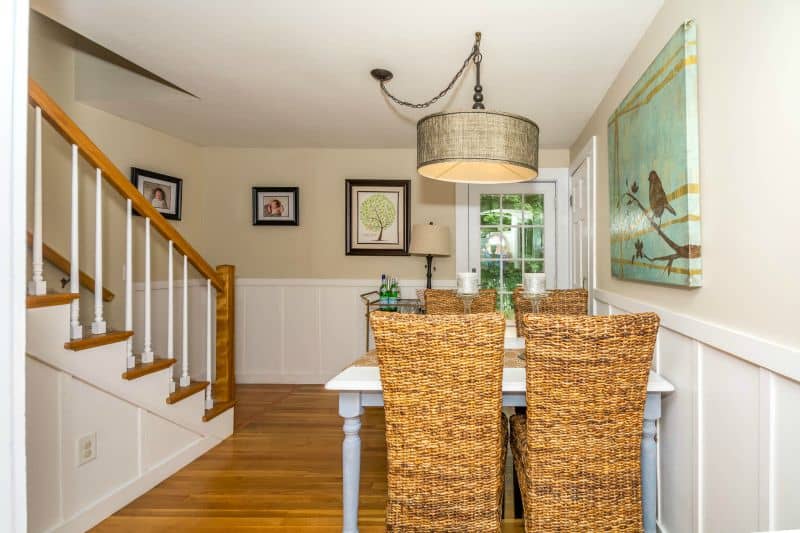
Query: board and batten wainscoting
point(287, 330)
point(727, 440)
point(729, 435)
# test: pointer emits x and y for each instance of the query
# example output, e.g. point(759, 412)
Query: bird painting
point(658, 198)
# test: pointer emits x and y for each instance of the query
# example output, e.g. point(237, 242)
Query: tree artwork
point(377, 213)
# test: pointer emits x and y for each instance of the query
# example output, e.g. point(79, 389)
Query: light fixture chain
point(474, 54)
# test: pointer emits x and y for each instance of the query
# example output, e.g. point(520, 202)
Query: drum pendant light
point(476, 146)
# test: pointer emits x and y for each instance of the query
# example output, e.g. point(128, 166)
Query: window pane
point(534, 209)
point(512, 275)
point(490, 274)
point(533, 266)
point(505, 305)
point(533, 243)
point(500, 243)
point(513, 209)
point(490, 209)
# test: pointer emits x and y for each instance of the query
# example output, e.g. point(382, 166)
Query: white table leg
point(652, 412)
point(350, 409)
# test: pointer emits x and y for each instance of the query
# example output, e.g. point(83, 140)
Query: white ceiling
point(296, 73)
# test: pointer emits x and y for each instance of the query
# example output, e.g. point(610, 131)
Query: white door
point(512, 230)
point(579, 227)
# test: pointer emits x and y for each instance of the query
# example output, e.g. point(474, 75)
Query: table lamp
point(430, 240)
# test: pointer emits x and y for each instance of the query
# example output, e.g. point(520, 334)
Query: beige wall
point(52, 64)
point(217, 192)
point(316, 248)
point(749, 129)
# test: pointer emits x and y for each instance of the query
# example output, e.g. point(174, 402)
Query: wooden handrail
point(74, 135)
point(63, 264)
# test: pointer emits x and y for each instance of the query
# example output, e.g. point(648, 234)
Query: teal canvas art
point(654, 168)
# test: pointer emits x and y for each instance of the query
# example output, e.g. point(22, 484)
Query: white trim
point(303, 282)
point(279, 377)
point(102, 509)
point(13, 223)
point(783, 360)
point(588, 155)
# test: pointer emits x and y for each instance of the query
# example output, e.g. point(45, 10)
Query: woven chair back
point(586, 382)
point(442, 393)
point(447, 302)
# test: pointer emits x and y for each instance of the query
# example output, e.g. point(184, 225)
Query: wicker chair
point(557, 302)
point(447, 302)
point(446, 435)
point(577, 453)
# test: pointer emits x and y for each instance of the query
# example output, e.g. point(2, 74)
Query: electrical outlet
point(87, 448)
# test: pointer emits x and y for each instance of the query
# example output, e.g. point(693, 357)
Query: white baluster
point(147, 351)
point(185, 380)
point(170, 316)
point(37, 285)
point(209, 372)
point(99, 325)
point(76, 330)
point(131, 361)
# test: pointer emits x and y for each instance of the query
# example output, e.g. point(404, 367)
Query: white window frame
point(545, 188)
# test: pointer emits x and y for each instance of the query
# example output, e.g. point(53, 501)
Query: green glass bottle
point(383, 294)
point(393, 294)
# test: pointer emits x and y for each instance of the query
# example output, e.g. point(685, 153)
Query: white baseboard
point(102, 509)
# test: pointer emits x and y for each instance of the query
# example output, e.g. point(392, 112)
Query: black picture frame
point(139, 176)
point(293, 194)
point(404, 211)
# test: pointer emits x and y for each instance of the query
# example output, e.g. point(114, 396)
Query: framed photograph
point(377, 217)
point(162, 191)
point(276, 206)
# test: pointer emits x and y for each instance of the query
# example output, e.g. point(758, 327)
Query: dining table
point(359, 386)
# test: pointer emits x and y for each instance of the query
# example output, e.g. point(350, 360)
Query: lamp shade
point(429, 239)
point(477, 147)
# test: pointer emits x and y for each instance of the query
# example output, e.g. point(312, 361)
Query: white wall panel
point(730, 453)
point(786, 468)
point(677, 358)
point(161, 440)
point(259, 333)
point(43, 445)
point(88, 410)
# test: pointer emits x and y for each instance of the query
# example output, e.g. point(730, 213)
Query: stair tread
point(184, 392)
point(143, 369)
point(93, 341)
point(217, 410)
point(50, 299)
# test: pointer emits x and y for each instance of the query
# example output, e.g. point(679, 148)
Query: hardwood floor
point(280, 471)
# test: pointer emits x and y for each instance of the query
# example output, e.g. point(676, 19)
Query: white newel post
point(99, 325)
point(147, 351)
point(131, 361)
point(76, 330)
point(184, 382)
point(209, 369)
point(170, 315)
point(37, 285)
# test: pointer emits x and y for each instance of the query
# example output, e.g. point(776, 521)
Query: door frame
point(13, 192)
point(559, 176)
point(587, 156)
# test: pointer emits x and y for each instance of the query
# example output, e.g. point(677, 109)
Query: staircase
point(105, 424)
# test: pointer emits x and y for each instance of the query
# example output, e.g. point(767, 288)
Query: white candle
point(467, 282)
point(534, 282)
